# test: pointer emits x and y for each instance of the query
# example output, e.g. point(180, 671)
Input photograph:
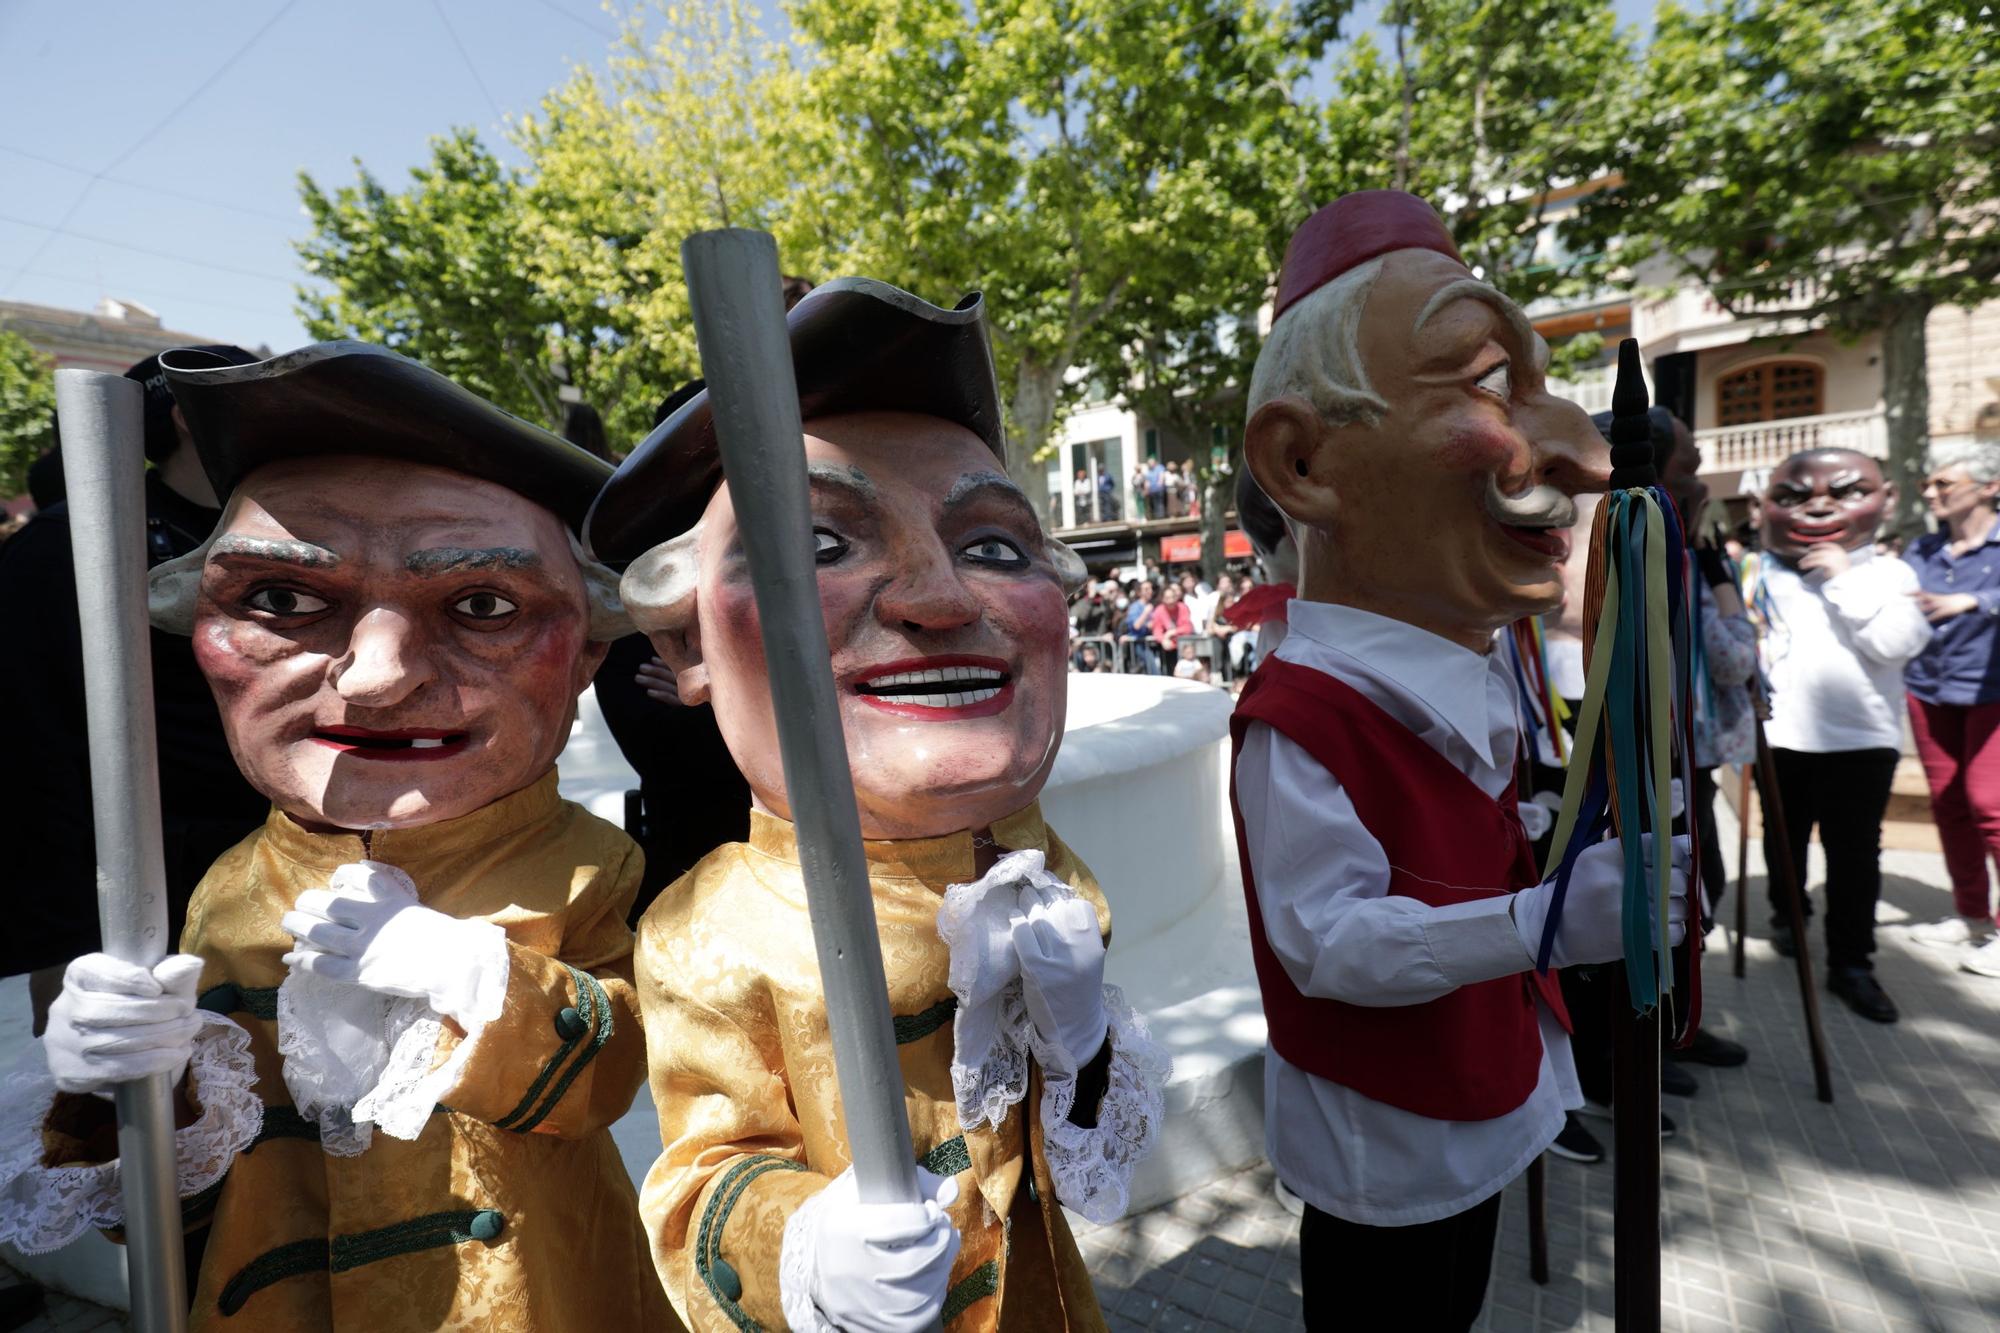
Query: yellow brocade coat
point(750, 1118)
point(512, 1210)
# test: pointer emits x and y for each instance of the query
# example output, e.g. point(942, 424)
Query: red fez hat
point(1352, 230)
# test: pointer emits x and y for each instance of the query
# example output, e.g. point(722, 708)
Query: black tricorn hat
point(858, 345)
point(357, 398)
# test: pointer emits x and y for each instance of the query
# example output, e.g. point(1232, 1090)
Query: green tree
point(1488, 109)
point(1829, 163)
point(1066, 156)
point(27, 410)
point(695, 124)
point(439, 271)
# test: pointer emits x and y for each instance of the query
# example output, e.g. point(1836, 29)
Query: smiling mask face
point(946, 618)
point(1829, 496)
point(390, 644)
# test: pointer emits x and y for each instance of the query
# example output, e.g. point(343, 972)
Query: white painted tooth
point(426, 743)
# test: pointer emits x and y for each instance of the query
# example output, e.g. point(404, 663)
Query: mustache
point(1537, 507)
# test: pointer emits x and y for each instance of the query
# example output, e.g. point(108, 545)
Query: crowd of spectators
point(1151, 623)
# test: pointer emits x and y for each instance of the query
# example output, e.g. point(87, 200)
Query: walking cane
point(104, 459)
point(739, 319)
point(1787, 873)
point(1743, 788)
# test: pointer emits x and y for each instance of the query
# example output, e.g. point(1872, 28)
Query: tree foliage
point(27, 410)
point(1827, 163)
point(1076, 159)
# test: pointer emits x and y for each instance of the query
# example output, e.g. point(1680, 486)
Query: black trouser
point(1429, 1278)
point(1714, 873)
point(1845, 793)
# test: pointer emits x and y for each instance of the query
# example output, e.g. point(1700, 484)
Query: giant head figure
point(1822, 497)
point(945, 601)
point(1400, 419)
point(393, 612)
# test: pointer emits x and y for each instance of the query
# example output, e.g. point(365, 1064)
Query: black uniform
point(205, 805)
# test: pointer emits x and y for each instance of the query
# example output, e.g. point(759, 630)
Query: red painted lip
point(1813, 533)
point(895, 707)
point(392, 746)
point(1551, 542)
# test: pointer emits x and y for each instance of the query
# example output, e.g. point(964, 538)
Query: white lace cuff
point(44, 1208)
point(798, 1262)
point(1093, 1167)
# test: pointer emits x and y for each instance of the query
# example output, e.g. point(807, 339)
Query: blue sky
point(150, 151)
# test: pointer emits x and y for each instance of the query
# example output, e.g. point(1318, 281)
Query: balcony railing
point(1591, 391)
point(1766, 443)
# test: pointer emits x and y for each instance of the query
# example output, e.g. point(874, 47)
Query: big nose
point(385, 661)
point(927, 593)
point(1568, 452)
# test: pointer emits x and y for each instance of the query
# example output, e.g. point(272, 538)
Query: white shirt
point(1322, 888)
point(1835, 651)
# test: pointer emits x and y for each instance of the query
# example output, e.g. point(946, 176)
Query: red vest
point(1474, 1053)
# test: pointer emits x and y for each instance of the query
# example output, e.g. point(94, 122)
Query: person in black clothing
point(692, 799)
point(205, 805)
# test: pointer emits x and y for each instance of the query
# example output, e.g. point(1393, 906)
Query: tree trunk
point(1906, 396)
point(1036, 387)
point(1218, 493)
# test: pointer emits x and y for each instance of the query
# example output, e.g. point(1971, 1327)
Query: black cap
point(858, 345)
point(357, 398)
point(161, 437)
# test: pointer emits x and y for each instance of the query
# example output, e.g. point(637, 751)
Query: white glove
point(1592, 928)
point(882, 1267)
point(116, 1021)
point(1062, 974)
point(367, 929)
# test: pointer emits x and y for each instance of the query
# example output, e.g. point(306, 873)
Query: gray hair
point(1980, 458)
point(173, 588)
point(658, 589)
point(1314, 352)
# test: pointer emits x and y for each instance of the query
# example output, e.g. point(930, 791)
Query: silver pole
point(103, 444)
point(739, 321)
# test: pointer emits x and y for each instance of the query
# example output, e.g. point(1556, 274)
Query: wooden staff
point(1743, 788)
point(1787, 875)
point(1538, 1220)
point(104, 458)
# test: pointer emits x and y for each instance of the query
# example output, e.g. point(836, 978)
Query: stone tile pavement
point(1880, 1212)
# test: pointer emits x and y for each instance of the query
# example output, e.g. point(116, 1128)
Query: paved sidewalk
point(1880, 1212)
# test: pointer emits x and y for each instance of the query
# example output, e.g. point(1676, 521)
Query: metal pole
point(1786, 871)
point(105, 463)
point(739, 320)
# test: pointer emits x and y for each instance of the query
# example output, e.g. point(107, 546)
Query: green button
point(486, 1223)
point(570, 1024)
point(726, 1280)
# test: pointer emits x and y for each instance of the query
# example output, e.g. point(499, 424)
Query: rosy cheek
point(1030, 610)
point(1481, 447)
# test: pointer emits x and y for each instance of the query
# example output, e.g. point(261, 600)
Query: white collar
point(1448, 680)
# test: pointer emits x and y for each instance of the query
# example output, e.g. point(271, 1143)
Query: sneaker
point(1603, 1112)
point(1709, 1049)
point(1953, 932)
point(1675, 1081)
point(1863, 994)
point(1782, 941)
point(1985, 960)
point(1576, 1143)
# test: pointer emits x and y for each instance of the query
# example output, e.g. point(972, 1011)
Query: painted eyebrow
point(842, 477)
point(1473, 289)
point(457, 559)
point(973, 485)
point(288, 552)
